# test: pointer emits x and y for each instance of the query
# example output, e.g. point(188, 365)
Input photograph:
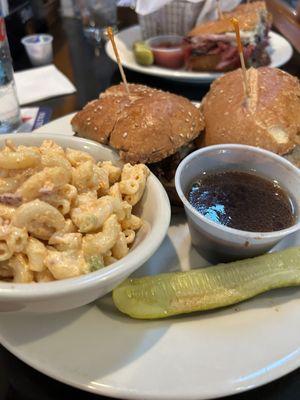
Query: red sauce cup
point(167, 50)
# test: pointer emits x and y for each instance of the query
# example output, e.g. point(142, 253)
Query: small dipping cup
point(39, 49)
point(216, 242)
point(167, 50)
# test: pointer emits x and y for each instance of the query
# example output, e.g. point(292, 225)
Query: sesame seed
point(125, 134)
point(88, 118)
point(181, 134)
point(192, 129)
point(189, 113)
point(95, 128)
point(136, 125)
point(187, 120)
point(88, 123)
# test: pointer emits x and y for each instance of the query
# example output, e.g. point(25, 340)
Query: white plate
point(61, 126)
point(200, 356)
point(282, 52)
point(203, 356)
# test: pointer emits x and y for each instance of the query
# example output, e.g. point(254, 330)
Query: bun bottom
point(165, 170)
point(210, 62)
point(204, 62)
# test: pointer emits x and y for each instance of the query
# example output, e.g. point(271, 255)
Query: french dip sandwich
point(270, 118)
point(149, 126)
point(212, 46)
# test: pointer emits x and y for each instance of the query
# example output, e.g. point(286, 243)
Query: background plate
point(282, 52)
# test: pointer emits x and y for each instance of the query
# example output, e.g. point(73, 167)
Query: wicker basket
point(177, 17)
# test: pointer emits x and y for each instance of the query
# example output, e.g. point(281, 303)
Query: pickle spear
point(142, 53)
point(163, 295)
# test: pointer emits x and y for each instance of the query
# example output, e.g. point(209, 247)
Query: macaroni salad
point(62, 214)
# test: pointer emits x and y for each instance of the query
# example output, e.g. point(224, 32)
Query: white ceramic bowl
point(75, 292)
point(217, 242)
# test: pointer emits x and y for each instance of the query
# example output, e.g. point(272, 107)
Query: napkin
point(209, 10)
point(164, 17)
point(145, 7)
point(41, 83)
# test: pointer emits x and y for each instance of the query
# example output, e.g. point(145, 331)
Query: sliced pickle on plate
point(142, 53)
point(163, 295)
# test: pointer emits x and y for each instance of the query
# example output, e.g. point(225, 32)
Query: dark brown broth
point(242, 201)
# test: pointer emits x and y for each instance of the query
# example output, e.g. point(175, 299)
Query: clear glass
point(10, 117)
point(96, 16)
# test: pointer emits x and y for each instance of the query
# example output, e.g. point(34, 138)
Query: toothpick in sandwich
point(235, 24)
point(112, 39)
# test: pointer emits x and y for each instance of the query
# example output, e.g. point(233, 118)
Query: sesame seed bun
point(248, 15)
point(253, 7)
point(146, 127)
point(269, 119)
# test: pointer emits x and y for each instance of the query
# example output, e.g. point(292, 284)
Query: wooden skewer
point(220, 14)
point(112, 39)
point(235, 24)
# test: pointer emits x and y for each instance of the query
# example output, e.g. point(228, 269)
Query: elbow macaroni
point(62, 214)
point(133, 182)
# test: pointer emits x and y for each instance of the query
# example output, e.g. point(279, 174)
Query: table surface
point(92, 73)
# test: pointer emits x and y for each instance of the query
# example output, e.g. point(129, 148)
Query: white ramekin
point(217, 242)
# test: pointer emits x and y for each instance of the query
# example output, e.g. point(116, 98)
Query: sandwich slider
point(148, 126)
point(270, 118)
point(211, 46)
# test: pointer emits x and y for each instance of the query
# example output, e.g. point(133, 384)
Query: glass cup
point(10, 117)
point(96, 16)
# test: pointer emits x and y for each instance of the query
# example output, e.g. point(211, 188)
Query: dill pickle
point(142, 53)
point(163, 295)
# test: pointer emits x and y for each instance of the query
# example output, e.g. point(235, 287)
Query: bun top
point(248, 15)
point(147, 126)
point(246, 22)
point(270, 119)
point(255, 6)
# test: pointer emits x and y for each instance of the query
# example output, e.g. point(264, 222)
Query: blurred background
point(25, 17)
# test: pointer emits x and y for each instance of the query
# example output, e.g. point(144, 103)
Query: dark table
point(92, 74)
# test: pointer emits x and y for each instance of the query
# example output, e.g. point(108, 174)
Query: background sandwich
point(212, 46)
